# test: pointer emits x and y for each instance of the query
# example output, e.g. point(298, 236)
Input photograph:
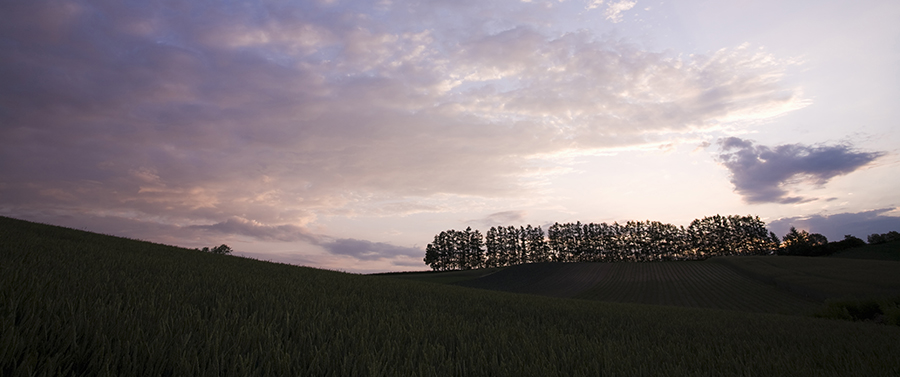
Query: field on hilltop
point(688, 284)
point(769, 284)
point(78, 303)
point(884, 251)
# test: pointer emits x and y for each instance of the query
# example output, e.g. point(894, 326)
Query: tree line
point(803, 243)
point(633, 241)
point(221, 249)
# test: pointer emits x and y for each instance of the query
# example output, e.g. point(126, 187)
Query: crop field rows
point(703, 284)
point(545, 279)
point(74, 303)
point(693, 284)
point(821, 277)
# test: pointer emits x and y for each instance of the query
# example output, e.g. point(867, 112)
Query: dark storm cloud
point(835, 227)
point(760, 173)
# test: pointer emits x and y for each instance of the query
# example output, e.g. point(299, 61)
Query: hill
point(78, 303)
point(885, 251)
point(787, 285)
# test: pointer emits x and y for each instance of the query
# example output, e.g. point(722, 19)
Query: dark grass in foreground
point(75, 303)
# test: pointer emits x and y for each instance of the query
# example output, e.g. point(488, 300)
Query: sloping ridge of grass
point(821, 278)
point(77, 303)
point(886, 251)
point(443, 277)
point(699, 284)
point(546, 279)
point(781, 284)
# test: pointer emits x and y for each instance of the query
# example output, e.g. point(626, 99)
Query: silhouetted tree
point(221, 249)
point(535, 244)
point(848, 242)
point(803, 243)
point(492, 246)
point(731, 235)
point(633, 241)
point(876, 238)
point(473, 248)
point(455, 250)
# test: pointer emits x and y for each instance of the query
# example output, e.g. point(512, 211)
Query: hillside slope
point(690, 284)
point(76, 303)
point(885, 251)
point(769, 284)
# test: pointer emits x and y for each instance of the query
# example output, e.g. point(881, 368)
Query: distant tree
point(536, 244)
point(638, 241)
point(848, 242)
point(438, 252)
point(730, 235)
point(473, 248)
point(433, 257)
point(221, 249)
point(492, 245)
point(455, 250)
point(803, 243)
point(774, 240)
point(876, 238)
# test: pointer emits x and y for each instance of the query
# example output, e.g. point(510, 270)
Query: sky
point(346, 134)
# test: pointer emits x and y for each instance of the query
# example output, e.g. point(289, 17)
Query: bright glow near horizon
point(346, 134)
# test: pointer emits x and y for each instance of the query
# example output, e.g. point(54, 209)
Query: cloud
point(505, 218)
point(244, 227)
point(761, 174)
point(369, 251)
point(834, 227)
point(613, 10)
point(701, 146)
point(261, 118)
point(361, 250)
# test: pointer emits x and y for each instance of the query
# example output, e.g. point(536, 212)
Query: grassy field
point(75, 303)
point(821, 278)
point(885, 251)
point(786, 285)
point(687, 284)
point(444, 277)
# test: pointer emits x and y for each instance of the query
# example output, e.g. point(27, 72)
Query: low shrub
point(879, 310)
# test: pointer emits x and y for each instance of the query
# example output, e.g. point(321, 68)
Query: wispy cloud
point(761, 174)
point(259, 117)
point(836, 226)
point(505, 218)
point(369, 251)
point(614, 10)
point(244, 227)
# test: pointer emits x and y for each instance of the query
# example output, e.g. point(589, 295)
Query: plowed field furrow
point(547, 279)
point(694, 288)
point(692, 284)
point(727, 291)
point(711, 288)
point(614, 287)
point(682, 289)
